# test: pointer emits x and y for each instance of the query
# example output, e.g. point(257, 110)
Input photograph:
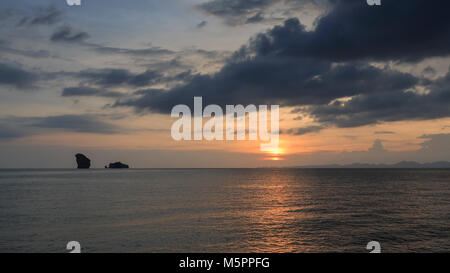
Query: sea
point(225, 210)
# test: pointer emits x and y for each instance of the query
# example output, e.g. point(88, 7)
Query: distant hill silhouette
point(399, 165)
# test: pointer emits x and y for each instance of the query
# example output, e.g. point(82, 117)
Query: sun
point(275, 154)
point(276, 151)
point(275, 158)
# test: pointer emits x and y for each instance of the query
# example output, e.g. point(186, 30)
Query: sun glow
point(275, 158)
point(276, 151)
point(275, 154)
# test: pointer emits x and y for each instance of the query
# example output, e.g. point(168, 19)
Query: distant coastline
point(399, 165)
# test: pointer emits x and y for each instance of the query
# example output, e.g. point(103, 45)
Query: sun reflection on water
point(271, 220)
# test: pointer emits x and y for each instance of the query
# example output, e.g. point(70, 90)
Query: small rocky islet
point(83, 162)
point(117, 165)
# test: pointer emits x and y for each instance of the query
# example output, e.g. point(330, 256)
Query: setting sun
point(274, 154)
point(276, 151)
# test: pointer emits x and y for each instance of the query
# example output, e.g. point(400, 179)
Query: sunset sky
point(355, 83)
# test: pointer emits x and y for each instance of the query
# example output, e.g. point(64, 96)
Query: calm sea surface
point(225, 210)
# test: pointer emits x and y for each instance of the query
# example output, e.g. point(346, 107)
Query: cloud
point(16, 127)
point(151, 51)
point(384, 107)
point(157, 57)
point(76, 123)
point(327, 71)
point(433, 148)
point(257, 18)
point(234, 7)
point(167, 65)
point(37, 54)
point(377, 146)
point(16, 77)
point(237, 12)
point(277, 81)
point(429, 71)
point(436, 142)
point(116, 77)
point(304, 130)
point(68, 35)
point(354, 30)
point(384, 133)
point(388, 106)
point(43, 16)
point(83, 91)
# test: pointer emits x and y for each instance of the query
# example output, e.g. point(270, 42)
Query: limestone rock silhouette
point(118, 165)
point(82, 161)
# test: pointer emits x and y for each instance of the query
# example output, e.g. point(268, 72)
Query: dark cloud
point(388, 106)
point(17, 127)
point(83, 91)
point(116, 77)
point(170, 65)
point(16, 77)
point(237, 12)
point(304, 130)
point(151, 51)
point(180, 77)
point(75, 123)
point(354, 30)
point(257, 18)
point(291, 66)
point(43, 16)
point(384, 133)
point(225, 8)
point(68, 35)
point(210, 54)
point(157, 57)
point(277, 81)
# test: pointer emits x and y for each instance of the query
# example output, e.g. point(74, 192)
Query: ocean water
point(225, 210)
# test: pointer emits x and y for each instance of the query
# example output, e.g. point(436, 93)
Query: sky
point(355, 83)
